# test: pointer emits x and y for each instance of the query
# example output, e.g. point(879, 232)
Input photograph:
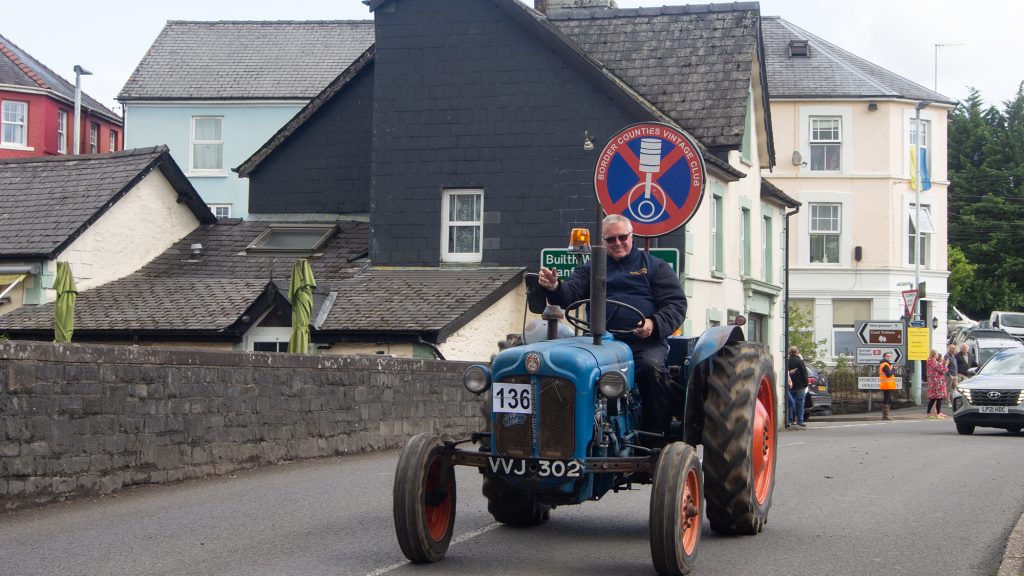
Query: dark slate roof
point(223, 253)
point(693, 62)
point(48, 201)
point(135, 304)
point(829, 71)
point(19, 68)
point(769, 190)
point(429, 301)
point(176, 293)
point(246, 60)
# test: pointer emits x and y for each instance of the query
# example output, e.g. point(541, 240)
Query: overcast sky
point(109, 38)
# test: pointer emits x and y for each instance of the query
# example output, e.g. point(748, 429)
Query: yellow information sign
point(917, 343)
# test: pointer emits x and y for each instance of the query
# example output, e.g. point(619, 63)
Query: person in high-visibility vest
point(886, 383)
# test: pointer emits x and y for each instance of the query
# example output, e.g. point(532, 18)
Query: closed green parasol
point(64, 314)
point(301, 295)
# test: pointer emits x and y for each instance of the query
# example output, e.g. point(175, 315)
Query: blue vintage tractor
point(563, 428)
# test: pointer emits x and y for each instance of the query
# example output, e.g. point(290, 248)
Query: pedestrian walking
point(952, 370)
point(798, 372)
point(936, 371)
point(886, 383)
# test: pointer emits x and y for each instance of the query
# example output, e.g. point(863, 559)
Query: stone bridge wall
point(90, 419)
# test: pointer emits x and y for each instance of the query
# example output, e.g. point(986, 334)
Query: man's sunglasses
point(621, 238)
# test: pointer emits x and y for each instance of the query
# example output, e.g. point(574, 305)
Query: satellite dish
point(798, 159)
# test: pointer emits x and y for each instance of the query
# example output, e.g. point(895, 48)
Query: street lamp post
point(916, 378)
point(79, 72)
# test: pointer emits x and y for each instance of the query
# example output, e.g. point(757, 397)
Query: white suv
point(994, 396)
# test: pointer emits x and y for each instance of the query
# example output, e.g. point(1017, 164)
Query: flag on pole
point(921, 168)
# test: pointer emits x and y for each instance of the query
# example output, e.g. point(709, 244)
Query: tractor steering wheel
point(572, 315)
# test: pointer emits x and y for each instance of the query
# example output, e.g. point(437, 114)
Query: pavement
point(1013, 557)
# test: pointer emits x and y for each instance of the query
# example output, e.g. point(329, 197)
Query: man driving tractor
point(648, 284)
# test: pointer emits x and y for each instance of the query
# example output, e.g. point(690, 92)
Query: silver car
point(994, 396)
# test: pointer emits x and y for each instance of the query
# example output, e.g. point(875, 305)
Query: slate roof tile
point(683, 59)
point(46, 200)
point(829, 71)
point(246, 60)
point(19, 68)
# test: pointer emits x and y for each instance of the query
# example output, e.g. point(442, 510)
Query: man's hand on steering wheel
point(645, 329)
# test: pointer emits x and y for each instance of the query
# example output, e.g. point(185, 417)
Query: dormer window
point(798, 49)
point(292, 239)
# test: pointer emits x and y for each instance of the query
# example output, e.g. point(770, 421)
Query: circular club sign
point(652, 174)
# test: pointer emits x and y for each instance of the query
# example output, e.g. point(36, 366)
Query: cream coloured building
point(843, 132)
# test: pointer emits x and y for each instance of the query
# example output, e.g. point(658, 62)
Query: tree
point(801, 335)
point(986, 205)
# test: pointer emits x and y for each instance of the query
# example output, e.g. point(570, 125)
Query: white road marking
point(792, 444)
point(457, 540)
point(865, 424)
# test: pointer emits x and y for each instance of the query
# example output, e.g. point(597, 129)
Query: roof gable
point(246, 60)
point(50, 201)
point(19, 68)
point(694, 63)
point(828, 71)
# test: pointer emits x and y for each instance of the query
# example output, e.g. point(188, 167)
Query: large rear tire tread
point(424, 529)
point(676, 515)
point(737, 495)
point(513, 506)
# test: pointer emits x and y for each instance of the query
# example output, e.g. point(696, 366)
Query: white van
point(1012, 322)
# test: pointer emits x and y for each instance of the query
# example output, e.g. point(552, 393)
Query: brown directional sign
point(875, 332)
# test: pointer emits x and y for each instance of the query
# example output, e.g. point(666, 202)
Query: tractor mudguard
point(710, 342)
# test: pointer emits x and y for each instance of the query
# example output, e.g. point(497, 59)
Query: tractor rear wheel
point(424, 500)
point(740, 438)
point(511, 505)
point(676, 510)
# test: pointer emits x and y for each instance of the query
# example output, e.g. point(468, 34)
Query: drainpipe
point(29, 269)
point(785, 294)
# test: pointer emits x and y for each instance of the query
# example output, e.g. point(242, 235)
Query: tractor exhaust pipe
point(598, 279)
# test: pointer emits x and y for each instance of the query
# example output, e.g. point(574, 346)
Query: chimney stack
point(543, 6)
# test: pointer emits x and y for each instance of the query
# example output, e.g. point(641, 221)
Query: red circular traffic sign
point(652, 174)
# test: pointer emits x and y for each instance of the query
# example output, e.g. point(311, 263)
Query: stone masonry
point(81, 420)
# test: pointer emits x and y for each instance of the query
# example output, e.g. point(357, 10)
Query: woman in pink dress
point(936, 371)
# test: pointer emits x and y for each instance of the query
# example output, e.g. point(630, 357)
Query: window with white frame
point(220, 210)
point(745, 241)
point(927, 229)
point(766, 249)
point(94, 138)
point(717, 248)
point(13, 119)
point(62, 131)
point(919, 134)
point(208, 144)
point(113, 141)
point(824, 233)
point(826, 143)
point(462, 225)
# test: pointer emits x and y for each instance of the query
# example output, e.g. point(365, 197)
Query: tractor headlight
point(476, 379)
point(612, 385)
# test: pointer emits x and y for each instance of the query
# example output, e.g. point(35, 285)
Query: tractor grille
point(557, 413)
point(557, 418)
point(995, 397)
point(515, 431)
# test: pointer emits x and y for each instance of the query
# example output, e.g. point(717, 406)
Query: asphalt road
point(904, 497)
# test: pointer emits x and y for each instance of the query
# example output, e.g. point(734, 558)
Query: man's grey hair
point(617, 219)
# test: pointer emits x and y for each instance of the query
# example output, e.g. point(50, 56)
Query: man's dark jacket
point(643, 281)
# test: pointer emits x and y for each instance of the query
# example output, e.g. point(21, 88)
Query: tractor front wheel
point(740, 438)
point(424, 500)
point(676, 510)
